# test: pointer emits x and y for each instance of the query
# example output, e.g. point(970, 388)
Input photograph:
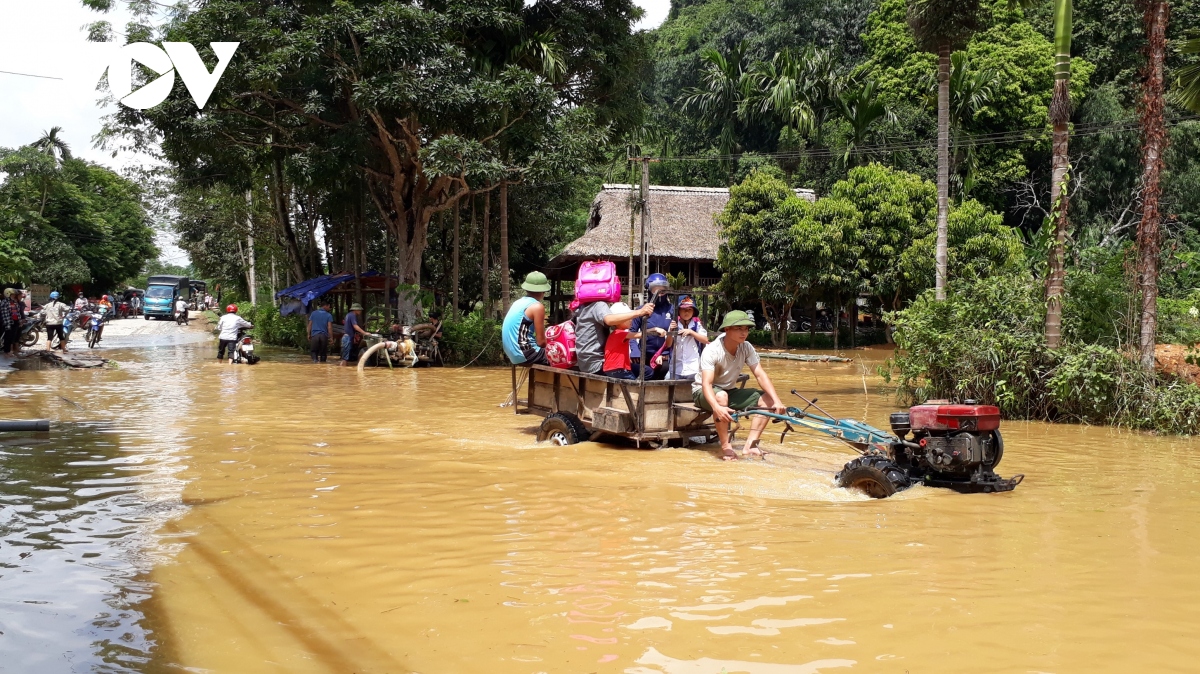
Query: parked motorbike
point(31, 330)
point(69, 323)
point(243, 349)
point(124, 309)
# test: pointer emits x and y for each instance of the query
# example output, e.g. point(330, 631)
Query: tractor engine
point(948, 439)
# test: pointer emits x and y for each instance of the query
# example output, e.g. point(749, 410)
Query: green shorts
point(739, 398)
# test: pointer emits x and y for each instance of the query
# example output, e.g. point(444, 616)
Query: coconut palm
point(59, 151)
point(940, 27)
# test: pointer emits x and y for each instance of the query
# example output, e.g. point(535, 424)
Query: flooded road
point(290, 517)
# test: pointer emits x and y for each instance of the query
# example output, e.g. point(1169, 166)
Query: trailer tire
point(875, 476)
point(562, 429)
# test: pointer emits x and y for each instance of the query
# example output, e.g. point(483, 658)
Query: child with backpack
point(596, 286)
point(617, 363)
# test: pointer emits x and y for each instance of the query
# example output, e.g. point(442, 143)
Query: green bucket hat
point(735, 318)
point(536, 282)
point(356, 307)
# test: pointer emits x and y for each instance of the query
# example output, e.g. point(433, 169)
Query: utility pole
point(645, 217)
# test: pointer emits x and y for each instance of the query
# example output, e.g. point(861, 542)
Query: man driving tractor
point(715, 389)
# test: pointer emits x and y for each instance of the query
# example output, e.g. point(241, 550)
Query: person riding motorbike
point(228, 327)
point(181, 310)
point(81, 302)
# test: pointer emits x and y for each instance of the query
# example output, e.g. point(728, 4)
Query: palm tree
point(1060, 117)
point(941, 26)
point(719, 101)
point(862, 108)
point(970, 91)
point(1188, 94)
point(58, 150)
point(1154, 144)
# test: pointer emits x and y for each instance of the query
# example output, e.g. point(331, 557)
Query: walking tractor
point(955, 446)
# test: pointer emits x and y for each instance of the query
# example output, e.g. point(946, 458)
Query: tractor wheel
point(998, 452)
point(562, 428)
point(874, 476)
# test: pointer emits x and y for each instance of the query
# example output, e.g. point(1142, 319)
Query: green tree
point(1188, 94)
point(896, 208)
point(829, 241)
point(980, 245)
point(1154, 145)
point(1060, 118)
point(758, 254)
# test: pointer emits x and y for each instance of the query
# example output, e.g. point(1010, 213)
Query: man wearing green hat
point(715, 388)
point(352, 334)
point(523, 333)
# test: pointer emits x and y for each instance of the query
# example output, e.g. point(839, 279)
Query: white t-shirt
point(180, 306)
point(726, 367)
point(229, 324)
point(687, 350)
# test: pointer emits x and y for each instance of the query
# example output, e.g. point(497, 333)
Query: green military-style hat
point(536, 282)
point(735, 318)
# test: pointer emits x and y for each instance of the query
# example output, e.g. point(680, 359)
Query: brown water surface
point(401, 521)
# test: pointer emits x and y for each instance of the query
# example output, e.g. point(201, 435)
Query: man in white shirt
point(228, 327)
point(181, 309)
point(715, 388)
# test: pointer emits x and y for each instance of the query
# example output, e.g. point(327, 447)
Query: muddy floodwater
point(291, 517)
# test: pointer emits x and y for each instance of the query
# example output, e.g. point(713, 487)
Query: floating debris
point(60, 359)
point(806, 357)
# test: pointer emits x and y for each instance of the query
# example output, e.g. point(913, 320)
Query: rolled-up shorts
point(739, 398)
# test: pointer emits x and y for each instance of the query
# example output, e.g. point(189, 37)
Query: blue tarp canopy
point(307, 291)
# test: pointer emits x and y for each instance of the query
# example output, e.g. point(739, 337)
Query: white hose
point(362, 360)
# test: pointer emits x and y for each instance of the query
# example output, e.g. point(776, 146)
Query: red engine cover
point(954, 417)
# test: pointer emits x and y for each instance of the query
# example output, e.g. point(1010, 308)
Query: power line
point(44, 77)
point(997, 138)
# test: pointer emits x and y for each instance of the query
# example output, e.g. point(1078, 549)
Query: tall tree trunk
point(1060, 117)
point(837, 319)
point(505, 295)
point(943, 168)
point(1154, 144)
point(487, 214)
point(279, 203)
point(250, 275)
point(454, 263)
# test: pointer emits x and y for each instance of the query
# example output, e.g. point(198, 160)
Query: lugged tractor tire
point(875, 476)
point(562, 429)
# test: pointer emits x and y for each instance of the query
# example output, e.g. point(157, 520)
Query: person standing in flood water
point(320, 326)
point(55, 312)
point(227, 331)
point(352, 334)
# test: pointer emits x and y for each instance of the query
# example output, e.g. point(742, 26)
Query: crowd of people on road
point(609, 338)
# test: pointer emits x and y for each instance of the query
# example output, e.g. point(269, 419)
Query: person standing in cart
point(715, 388)
point(690, 341)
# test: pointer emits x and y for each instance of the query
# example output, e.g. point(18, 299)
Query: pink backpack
point(560, 345)
point(597, 281)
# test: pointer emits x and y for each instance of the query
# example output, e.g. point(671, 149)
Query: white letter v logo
point(199, 82)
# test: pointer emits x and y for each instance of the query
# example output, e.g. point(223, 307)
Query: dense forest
point(458, 145)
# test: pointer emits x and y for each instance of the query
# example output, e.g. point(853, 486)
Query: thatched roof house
point(683, 232)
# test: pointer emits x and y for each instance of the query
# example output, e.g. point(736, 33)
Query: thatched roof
point(682, 223)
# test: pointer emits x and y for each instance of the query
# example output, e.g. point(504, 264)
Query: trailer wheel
point(562, 429)
point(874, 476)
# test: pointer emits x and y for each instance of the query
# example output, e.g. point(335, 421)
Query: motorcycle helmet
point(231, 309)
point(54, 295)
point(105, 298)
point(657, 280)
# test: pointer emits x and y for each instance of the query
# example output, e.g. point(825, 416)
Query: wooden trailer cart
point(577, 406)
